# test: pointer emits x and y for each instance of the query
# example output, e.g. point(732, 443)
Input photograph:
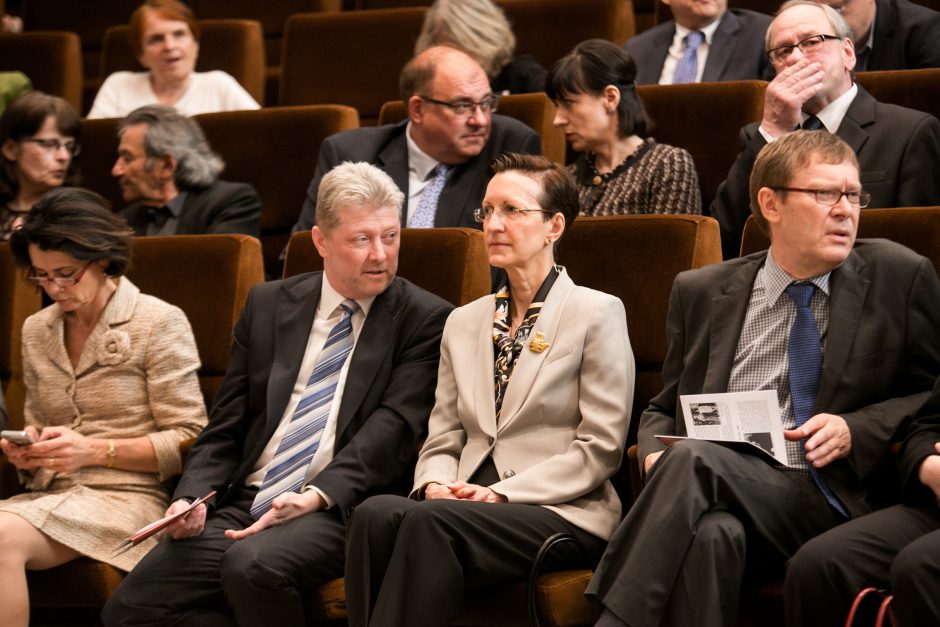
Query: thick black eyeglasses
point(465, 108)
point(831, 197)
point(806, 46)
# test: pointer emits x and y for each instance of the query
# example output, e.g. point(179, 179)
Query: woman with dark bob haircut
point(621, 170)
point(532, 408)
point(111, 391)
point(39, 143)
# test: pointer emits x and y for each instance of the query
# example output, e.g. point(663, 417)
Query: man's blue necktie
point(426, 210)
point(301, 440)
point(804, 355)
point(687, 67)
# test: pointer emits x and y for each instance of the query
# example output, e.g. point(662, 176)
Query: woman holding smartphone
point(111, 391)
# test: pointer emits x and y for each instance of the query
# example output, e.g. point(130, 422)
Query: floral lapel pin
point(538, 343)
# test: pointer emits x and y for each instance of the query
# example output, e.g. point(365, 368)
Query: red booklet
point(158, 525)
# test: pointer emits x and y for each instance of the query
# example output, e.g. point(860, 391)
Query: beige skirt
point(92, 520)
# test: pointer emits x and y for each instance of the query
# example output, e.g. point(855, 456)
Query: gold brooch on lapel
point(538, 344)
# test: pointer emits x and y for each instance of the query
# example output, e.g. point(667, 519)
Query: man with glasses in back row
point(848, 336)
point(438, 156)
point(898, 149)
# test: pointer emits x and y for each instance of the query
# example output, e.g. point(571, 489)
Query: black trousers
point(210, 580)
point(407, 562)
point(897, 548)
point(707, 512)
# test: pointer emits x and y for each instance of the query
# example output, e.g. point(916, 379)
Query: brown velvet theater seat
point(534, 110)
point(208, 277)
point(352, 58)
point(51, 59)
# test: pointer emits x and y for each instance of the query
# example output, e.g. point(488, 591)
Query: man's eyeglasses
point(482, 214)
point(59, 281)
point(831, 197)
point(806, 46)
point(465, 108)
point(53, 145)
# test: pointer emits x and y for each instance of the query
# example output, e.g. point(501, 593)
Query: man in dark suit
point(905, 34)
point(167, 170)
point(813, 86)
point(732, 48)
point(302, 429)
point(849, 338)
point(451, 124)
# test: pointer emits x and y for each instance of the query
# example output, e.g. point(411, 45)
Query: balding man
point(810, 46)
point(439, 155)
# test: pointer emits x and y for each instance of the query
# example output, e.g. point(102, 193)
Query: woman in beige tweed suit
point(111, 390)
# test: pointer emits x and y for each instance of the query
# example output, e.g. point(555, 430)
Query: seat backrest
point(275, 149)
point(459, 272)
point(99, 152)
point(636, 258)
point(534, 110)
point(18, 301)
point(918, 228)
point(51, 59)
point(914, 89)
point(234, 46)
point(704, 118)
point(88, 22)
point(549, 29)
point(352, 58)
point(208, 277)
point(272, 16)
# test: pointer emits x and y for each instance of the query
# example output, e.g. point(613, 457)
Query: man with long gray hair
point(167, 170)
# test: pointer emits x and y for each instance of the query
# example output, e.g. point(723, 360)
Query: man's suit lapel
point(848, 290)
point(372, 346)
point(294, 311)
point(722, 47)
point(860, 114)
point(393, 160)
point(650, 68)
point(529, 363)
point(725, 321)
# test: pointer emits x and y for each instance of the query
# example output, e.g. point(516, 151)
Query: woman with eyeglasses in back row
point(111, 391)
point(38, 144)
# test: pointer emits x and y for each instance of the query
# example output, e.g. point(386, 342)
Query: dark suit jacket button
point(509, 473)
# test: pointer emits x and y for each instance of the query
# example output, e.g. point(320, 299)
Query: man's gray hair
point(839, 26)
point(170, 133)
point(354, 185)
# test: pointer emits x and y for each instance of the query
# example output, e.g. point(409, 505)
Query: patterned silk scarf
point(509, 348)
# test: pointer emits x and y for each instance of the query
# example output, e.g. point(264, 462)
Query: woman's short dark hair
point(559, 190)
point(79, 223)
point(589, 68)
point(22, 119)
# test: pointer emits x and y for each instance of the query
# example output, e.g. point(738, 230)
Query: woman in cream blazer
point(532, 409)
point(111, 391)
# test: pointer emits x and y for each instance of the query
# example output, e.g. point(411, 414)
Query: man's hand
point(473, 492)
point(827, 438)
point(787, 93)
point(189, 525)
point(283, 508)
point(929, 473)
point(651, 459)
